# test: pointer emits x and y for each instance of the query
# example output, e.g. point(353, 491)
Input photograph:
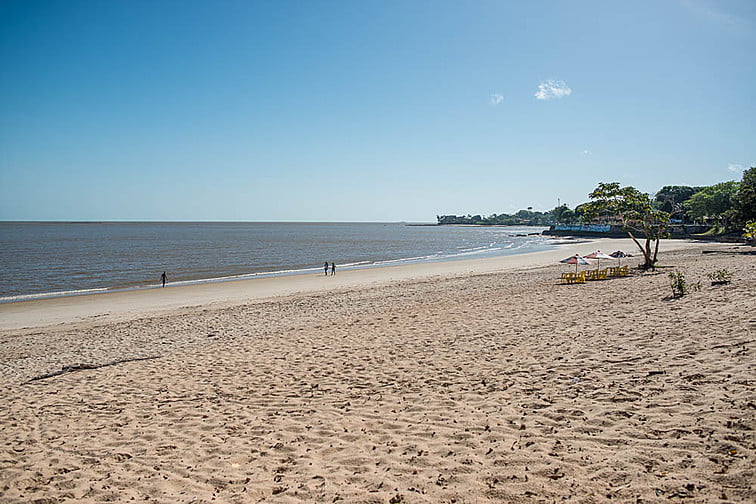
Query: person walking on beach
point(163, 278)
point(333, 268)
point(325, 267)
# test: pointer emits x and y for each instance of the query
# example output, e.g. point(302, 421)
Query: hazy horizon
point(327, 111)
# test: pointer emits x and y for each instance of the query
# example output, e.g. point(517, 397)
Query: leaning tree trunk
point(656, 250)
point(647, 254)
point(646, 251)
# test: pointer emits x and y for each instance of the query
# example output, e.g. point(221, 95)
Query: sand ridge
point(494, 387)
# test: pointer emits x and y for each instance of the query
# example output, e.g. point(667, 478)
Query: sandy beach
point(465, 382)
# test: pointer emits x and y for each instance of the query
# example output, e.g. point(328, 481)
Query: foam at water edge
point(42, 295)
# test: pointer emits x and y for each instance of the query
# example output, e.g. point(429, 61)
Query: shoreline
point(497, 386)
point(117, 279)
point(301, 270)
point(124, 304)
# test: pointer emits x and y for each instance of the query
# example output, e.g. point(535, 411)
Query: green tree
point(563, 215)
point(715, 202)
point(582, 212)
point(634, 211)
point(672, 198)
point(746, 197)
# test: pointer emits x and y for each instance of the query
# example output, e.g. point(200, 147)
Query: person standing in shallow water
point(325, 267)
point(163, 278)
point(333, 268)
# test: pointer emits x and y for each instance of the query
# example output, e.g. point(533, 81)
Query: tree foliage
point(728, 205)
point(521, 218)
point(563, 215)
point(671, 199)
point(714, 203)
point(746, 197)
point(634, 211)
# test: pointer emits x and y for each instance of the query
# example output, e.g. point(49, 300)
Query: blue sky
point(364, 111)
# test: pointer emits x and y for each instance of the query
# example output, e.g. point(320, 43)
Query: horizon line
point(193, 221)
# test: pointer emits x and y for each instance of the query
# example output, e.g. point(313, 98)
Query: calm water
point(38, 259)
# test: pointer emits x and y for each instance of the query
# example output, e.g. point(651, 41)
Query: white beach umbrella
point(576, 259)
point(598, 255)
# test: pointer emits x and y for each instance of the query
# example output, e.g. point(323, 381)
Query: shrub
point(680, 286)
point(720, 277)
point(750, 232)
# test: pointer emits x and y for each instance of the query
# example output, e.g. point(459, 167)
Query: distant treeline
point(727, 206)
point(521, 218)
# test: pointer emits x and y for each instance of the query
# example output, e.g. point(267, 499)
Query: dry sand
point(498, 385)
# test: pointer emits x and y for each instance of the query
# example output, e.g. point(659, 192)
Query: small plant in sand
point(720, 277)
point(680, 286)
point(749, 232)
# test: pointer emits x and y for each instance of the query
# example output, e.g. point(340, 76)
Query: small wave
point(473, 249)
point(476, 252)
point(406, 259)
point(353, 264)
point(43, 295)
point(441, 256)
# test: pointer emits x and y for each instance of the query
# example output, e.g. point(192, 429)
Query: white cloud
point(736, 168)
point(496, 99)
point(552, 89)
point(708, 11)
point(586, 152)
